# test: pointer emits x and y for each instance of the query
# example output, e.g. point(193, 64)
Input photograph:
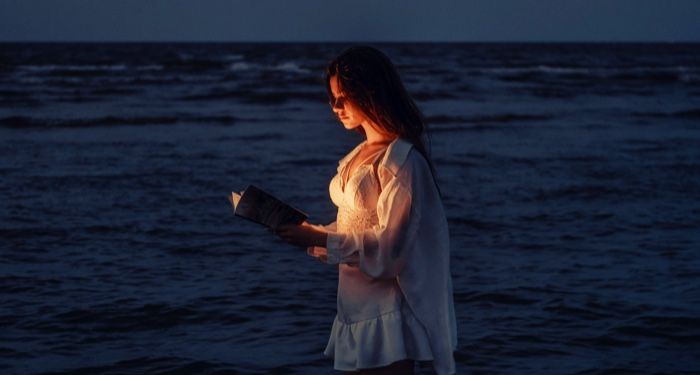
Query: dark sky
point(350, 20)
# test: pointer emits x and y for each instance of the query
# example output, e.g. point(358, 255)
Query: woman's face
point(346, 111)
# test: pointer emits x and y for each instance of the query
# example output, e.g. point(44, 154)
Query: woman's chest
point(360, 192)
point(356, 186)
point(365, 157)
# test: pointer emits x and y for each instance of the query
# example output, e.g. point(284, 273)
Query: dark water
point(571, 176)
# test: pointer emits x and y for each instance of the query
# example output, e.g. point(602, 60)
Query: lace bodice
point(357, 200)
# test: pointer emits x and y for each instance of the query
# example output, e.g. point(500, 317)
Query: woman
point(390, 239)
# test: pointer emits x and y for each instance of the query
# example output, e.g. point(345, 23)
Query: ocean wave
point(535, 69)
point(233, 57)
point(493, 298)
point(77, 68)
point(239, 66)
point(150, 67)
point(261, 136)
point(600, 70)
point(151, 365)
point(495, 118)
point(433, 95)
point(688, 114)
point(475, 224)
point(23, 122)
point(584, 192)
point(657, 74)
point(123, 317)
point(680, 329)
point(254, 97)
point(290, 67)
point(18, 98)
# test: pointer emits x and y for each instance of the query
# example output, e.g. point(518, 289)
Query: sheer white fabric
point(391, 244)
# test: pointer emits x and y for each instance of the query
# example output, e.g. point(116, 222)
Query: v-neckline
point(345, 174)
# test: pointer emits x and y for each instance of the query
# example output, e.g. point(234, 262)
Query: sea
point(570, 175)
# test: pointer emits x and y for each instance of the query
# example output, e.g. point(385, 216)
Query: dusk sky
point(358, 20)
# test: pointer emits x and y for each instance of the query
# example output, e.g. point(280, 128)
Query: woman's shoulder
point(403, 163)
point(396, 155)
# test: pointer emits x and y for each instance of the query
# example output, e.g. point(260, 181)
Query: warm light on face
point(338, 102)
point(347, 113)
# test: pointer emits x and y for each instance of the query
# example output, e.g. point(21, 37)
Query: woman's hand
point(303, 235)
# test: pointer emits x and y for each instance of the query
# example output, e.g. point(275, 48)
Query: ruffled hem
point(378, 342)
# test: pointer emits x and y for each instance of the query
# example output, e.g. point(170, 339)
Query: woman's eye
point(337, 102)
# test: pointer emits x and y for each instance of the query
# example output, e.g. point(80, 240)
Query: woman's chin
point(349, 125)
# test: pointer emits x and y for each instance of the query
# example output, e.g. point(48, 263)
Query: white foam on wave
point(285, 67)
point(688, 74)
point(291, 67)
point(53, 67)
point(239, 66)
point(562, 70)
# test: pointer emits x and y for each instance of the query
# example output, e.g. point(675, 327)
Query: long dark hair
point(370, 81)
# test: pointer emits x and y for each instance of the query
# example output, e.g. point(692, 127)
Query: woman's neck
point(375, 137)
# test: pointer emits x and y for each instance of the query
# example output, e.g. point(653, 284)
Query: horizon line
point(359, 41)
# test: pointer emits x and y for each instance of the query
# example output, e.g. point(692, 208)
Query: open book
point(263, 208)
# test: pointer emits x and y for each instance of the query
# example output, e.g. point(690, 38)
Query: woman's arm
point(303, 235)
point(320, 251)
point(330, 227)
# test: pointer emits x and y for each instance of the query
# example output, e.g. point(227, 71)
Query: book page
point(235, 198)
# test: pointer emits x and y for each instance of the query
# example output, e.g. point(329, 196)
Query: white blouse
point(391, 244)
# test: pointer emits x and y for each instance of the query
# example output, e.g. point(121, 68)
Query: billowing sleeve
point(381, 251)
